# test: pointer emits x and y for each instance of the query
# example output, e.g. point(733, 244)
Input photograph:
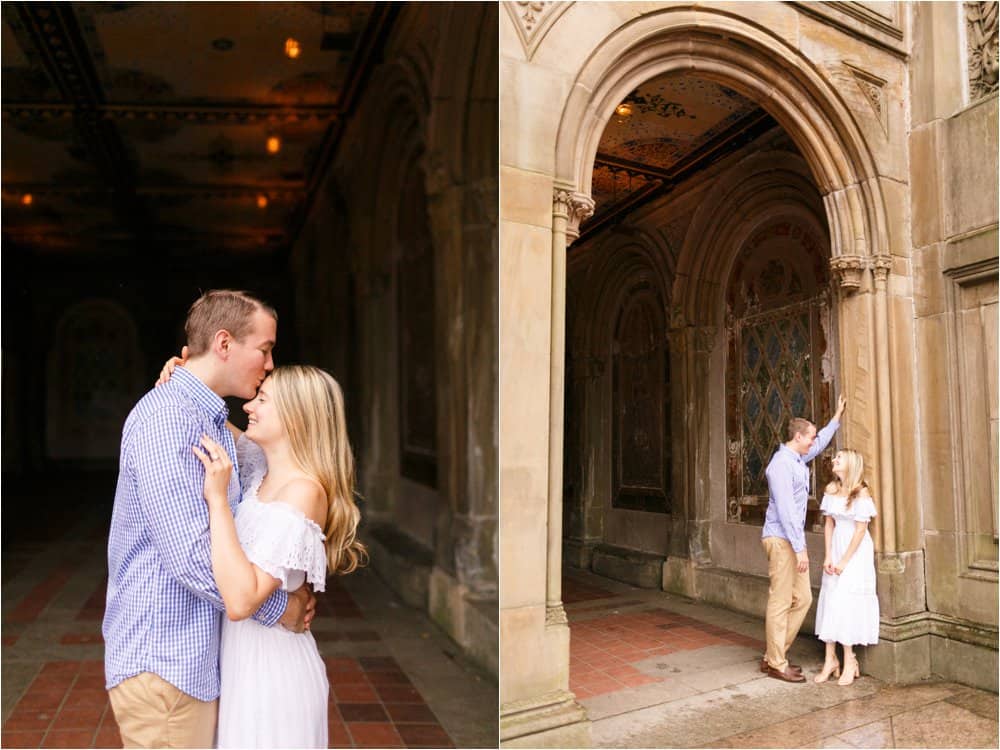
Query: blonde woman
point(847, 612)
point(297, 521)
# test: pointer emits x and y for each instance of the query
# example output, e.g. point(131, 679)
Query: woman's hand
point(218, 470)
point(170, 364)
point(828, 566)
point(838, 569)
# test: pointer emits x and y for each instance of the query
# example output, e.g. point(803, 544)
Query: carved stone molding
point(704, 338)
point(847, 270)
point(556, 615)
point(873, 89)
point(983, 48)
point(574, 207)
point(881, 266)
point(533, 19)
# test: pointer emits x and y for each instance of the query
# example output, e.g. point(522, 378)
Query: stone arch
point(755, 62)
point(715, 44)
point(634, 269)
point(762, 185)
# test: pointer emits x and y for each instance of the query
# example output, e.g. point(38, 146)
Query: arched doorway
point(827, 151)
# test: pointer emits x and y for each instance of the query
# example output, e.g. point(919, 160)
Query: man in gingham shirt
point(163, 617)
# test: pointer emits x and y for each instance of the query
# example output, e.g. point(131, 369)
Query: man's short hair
point(797, 425)
point(219, 309)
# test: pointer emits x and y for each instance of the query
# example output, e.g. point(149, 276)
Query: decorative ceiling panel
point(159, 115)
point(663, 132)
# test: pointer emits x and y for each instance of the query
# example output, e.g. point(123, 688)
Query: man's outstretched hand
point(841, 405)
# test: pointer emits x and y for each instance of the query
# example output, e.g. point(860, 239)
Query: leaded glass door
point(778, 333)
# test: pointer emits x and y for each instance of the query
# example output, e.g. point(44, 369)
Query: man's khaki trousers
point(788, 600)
point(153, 713)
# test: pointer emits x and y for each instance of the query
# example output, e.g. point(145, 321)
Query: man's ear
point(222, 343)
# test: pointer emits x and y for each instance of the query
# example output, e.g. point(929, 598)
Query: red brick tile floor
point(395, 680)
point(655, 670)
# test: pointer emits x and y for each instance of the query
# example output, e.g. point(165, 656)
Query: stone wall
point(395, 276)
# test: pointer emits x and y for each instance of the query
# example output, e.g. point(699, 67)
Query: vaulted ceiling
point(664, 132)
point(145, 126)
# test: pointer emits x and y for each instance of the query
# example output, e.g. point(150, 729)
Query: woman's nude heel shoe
point(851, 670)
point(827, 671)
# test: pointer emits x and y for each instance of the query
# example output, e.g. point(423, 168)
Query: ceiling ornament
point(532, 20)
point(983, 48)
point(873, 89)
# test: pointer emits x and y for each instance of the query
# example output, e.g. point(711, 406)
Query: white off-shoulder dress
point(274, 685)
point(847, 611)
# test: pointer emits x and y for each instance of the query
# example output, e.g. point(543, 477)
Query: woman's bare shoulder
point(307, 495)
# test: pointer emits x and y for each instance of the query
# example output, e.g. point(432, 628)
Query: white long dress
point(274, 684)
point(847, 611)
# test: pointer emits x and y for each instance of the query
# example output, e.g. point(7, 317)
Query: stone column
point(463, 584)
point(537, 709)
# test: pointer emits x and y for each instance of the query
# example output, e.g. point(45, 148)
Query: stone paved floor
point(654, 670)
point(396, 680)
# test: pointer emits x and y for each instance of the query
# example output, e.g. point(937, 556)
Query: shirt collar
point(201, 394)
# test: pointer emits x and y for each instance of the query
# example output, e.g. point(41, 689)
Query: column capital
point(881, 266)
point(847, 269)
point(572, 206)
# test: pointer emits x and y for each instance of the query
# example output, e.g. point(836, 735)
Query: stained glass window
point(777, 332)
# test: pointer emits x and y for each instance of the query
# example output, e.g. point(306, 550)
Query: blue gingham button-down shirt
point(788, 487)
point(164, 612)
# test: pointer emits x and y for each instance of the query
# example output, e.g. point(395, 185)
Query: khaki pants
point(153, 713)
point(788, 600)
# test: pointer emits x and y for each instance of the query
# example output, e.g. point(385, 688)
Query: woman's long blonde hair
point(854, 476)
point(311, 406)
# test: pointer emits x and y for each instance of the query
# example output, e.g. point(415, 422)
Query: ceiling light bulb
point(292, 48)
point(624, 109)
point(273, 144)
point(27, 199)
point(261, 201)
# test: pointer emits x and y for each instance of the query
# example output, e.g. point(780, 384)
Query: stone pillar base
point(898, 662)
point(933, 645)
point(471, 624)
point(551, 720)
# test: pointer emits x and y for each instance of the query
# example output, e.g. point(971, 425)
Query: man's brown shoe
point(791, 667)
point(788, 675)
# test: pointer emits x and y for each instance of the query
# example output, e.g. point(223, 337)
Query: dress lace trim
point(277, 537)
point(862, 509)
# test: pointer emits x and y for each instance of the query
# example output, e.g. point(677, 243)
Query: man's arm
point(824, 436)
point(779, 482)
point(169, 480)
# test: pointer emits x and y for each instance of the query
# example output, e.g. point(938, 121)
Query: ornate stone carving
point(983, 55)
point(533, 19)
point(704, 338)
point(873, 89)
point(574, 207)
point(847, 269)
point(881, 266)
point(556, 615)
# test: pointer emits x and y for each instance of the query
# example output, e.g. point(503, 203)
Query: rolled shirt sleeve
point(823, 438)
